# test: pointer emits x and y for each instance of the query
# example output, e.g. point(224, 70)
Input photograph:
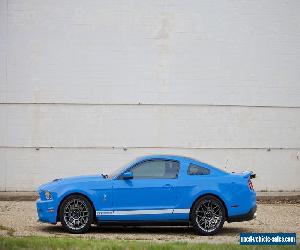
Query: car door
point(150, 194)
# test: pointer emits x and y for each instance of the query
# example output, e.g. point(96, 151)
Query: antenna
point(226, 164)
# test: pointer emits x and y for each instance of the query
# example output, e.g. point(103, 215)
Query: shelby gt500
point(160, 189)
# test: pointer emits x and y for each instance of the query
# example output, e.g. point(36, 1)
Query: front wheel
point(76, 214)
point(208, 215)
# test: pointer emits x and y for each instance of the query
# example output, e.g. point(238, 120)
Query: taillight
point(250, 184)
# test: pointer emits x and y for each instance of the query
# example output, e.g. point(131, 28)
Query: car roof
point(170, 157)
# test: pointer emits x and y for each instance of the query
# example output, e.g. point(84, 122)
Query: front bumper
point(46, 211)
point(244, 217)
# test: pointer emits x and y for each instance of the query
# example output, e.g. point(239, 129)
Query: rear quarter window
point(194, 169)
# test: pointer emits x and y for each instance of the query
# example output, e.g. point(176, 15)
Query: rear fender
point(215, 193)
point(212, 193)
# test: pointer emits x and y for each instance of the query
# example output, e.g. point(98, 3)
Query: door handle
point(167, 186)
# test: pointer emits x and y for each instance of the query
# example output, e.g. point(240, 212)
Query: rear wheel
point(208, 215)
point(76, 214)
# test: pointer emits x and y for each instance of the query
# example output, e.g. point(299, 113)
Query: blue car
point(152, 190)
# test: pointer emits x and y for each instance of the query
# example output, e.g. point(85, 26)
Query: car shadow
point(139, 230)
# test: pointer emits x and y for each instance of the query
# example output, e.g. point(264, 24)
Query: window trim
point(188, 169)
point(147, 160)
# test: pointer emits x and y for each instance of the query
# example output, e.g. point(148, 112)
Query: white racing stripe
point(141, 212)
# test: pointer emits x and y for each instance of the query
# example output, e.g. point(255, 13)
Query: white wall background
point(86, 86)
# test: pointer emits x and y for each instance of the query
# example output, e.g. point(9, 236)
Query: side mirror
point(127, 175)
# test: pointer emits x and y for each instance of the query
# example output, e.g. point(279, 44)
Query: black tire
point(76, 214)
point(208, 215)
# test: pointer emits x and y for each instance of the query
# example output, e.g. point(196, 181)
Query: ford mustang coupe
point(160, 189)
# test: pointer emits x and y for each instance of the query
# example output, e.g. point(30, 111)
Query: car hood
point(70, 180)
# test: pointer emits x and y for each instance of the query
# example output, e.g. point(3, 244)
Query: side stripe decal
point(139, 212)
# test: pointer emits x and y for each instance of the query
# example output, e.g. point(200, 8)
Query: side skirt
point(142, 223)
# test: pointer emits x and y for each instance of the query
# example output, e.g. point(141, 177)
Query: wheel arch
point(209, 194)
point(75, 193)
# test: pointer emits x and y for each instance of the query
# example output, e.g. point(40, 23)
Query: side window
point(197, 170)
point(156, 169)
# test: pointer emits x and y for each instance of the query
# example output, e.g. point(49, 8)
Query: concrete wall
point(86, 86)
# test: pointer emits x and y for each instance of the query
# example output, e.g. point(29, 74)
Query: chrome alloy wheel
point(76, 214)
point(208, 215)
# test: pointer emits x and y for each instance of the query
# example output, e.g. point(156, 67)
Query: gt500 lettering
point(104, 212)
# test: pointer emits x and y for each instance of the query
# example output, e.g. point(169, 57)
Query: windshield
point(116, 172)
point(121, 169)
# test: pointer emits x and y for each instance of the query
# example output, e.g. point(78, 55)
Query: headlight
point(48, 195)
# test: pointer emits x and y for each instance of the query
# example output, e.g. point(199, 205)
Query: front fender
point(67, 192)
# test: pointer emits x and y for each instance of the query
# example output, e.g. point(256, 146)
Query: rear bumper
point(244, 217)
